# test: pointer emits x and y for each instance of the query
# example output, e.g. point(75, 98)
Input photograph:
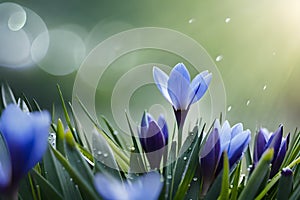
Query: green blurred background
point(258, 44)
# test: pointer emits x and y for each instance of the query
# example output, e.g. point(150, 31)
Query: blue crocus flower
point(25, 136)
point(179, 90)
point(153, 137)
point(234, 140)
point(265, 140)
point(147, 187)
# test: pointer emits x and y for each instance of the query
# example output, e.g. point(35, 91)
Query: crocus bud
point(25, 136)
point(153, 137)
point(265, 140)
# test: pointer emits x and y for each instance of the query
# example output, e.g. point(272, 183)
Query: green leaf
point(7, 95)
point(257, 176)
point(83, 184)
point(224, 195)
point(192, 161)
point(215, 188)
point(49, 191)
point(237, 174)
point(285, 185)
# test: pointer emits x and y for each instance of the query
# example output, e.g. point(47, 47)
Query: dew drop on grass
point(184, 158)
point(99, 152)
point(105, 155)
point(195, 179)
point(169, 176)
point(219, 58)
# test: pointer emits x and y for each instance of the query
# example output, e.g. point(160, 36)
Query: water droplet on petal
point(191, 20)
point(227, 20)
point(219, 58)
point(247, 103)
point(229, 108)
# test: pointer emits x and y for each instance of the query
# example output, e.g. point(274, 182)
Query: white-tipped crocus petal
point(161, 81)
point(179, 88)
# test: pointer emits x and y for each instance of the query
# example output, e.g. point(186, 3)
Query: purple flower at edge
point(26, 137)
point(234, 140)
point(179, 90)
point(147, 187)
point(265, 140)
point(153, 137)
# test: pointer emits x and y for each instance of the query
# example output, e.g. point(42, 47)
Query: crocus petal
point(225, 136)
point(259, 146)
point(161, 81)
point(109, 188)
point(40, 123)
point(146, 187)
point(163, 126)
point(275, 141)
point(238, 128)
point(179, 87)
point(19, 138)
point(209, 159)
point(181, 69)
point(237, 146)
point(279, 159)
point(199, 86)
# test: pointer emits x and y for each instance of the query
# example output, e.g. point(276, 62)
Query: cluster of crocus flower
point(153, 137)
point(147, 186)
point(180, 91)
point(265, 140)
point(234, 140)
point(25, 136)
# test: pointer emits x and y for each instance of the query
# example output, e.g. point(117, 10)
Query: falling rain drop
point(265, 87)
point(227, 20)
point(219, 58)
point(229, 108)
point(191, 20)
point(247, 103)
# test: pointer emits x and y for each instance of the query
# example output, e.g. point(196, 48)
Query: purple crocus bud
point(264, 141)
point(232, 140)
point(145, 187)
point(153, 137)
point(179, 90)
point(209, 159)
point(25, 136)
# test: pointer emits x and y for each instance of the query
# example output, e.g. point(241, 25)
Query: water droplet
point(116, 132)
point(189, 185)
point(105, 155)
point(265, 87)
point(184, 158)
point(229, 108)
point(219, 58)
point(191, 20)
point(169, 176)
point(247, 103)
point(195, 179)
point(190, 148)
point(71, 179)
point(132, 149)
point(227, 20)
point(99, 152)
